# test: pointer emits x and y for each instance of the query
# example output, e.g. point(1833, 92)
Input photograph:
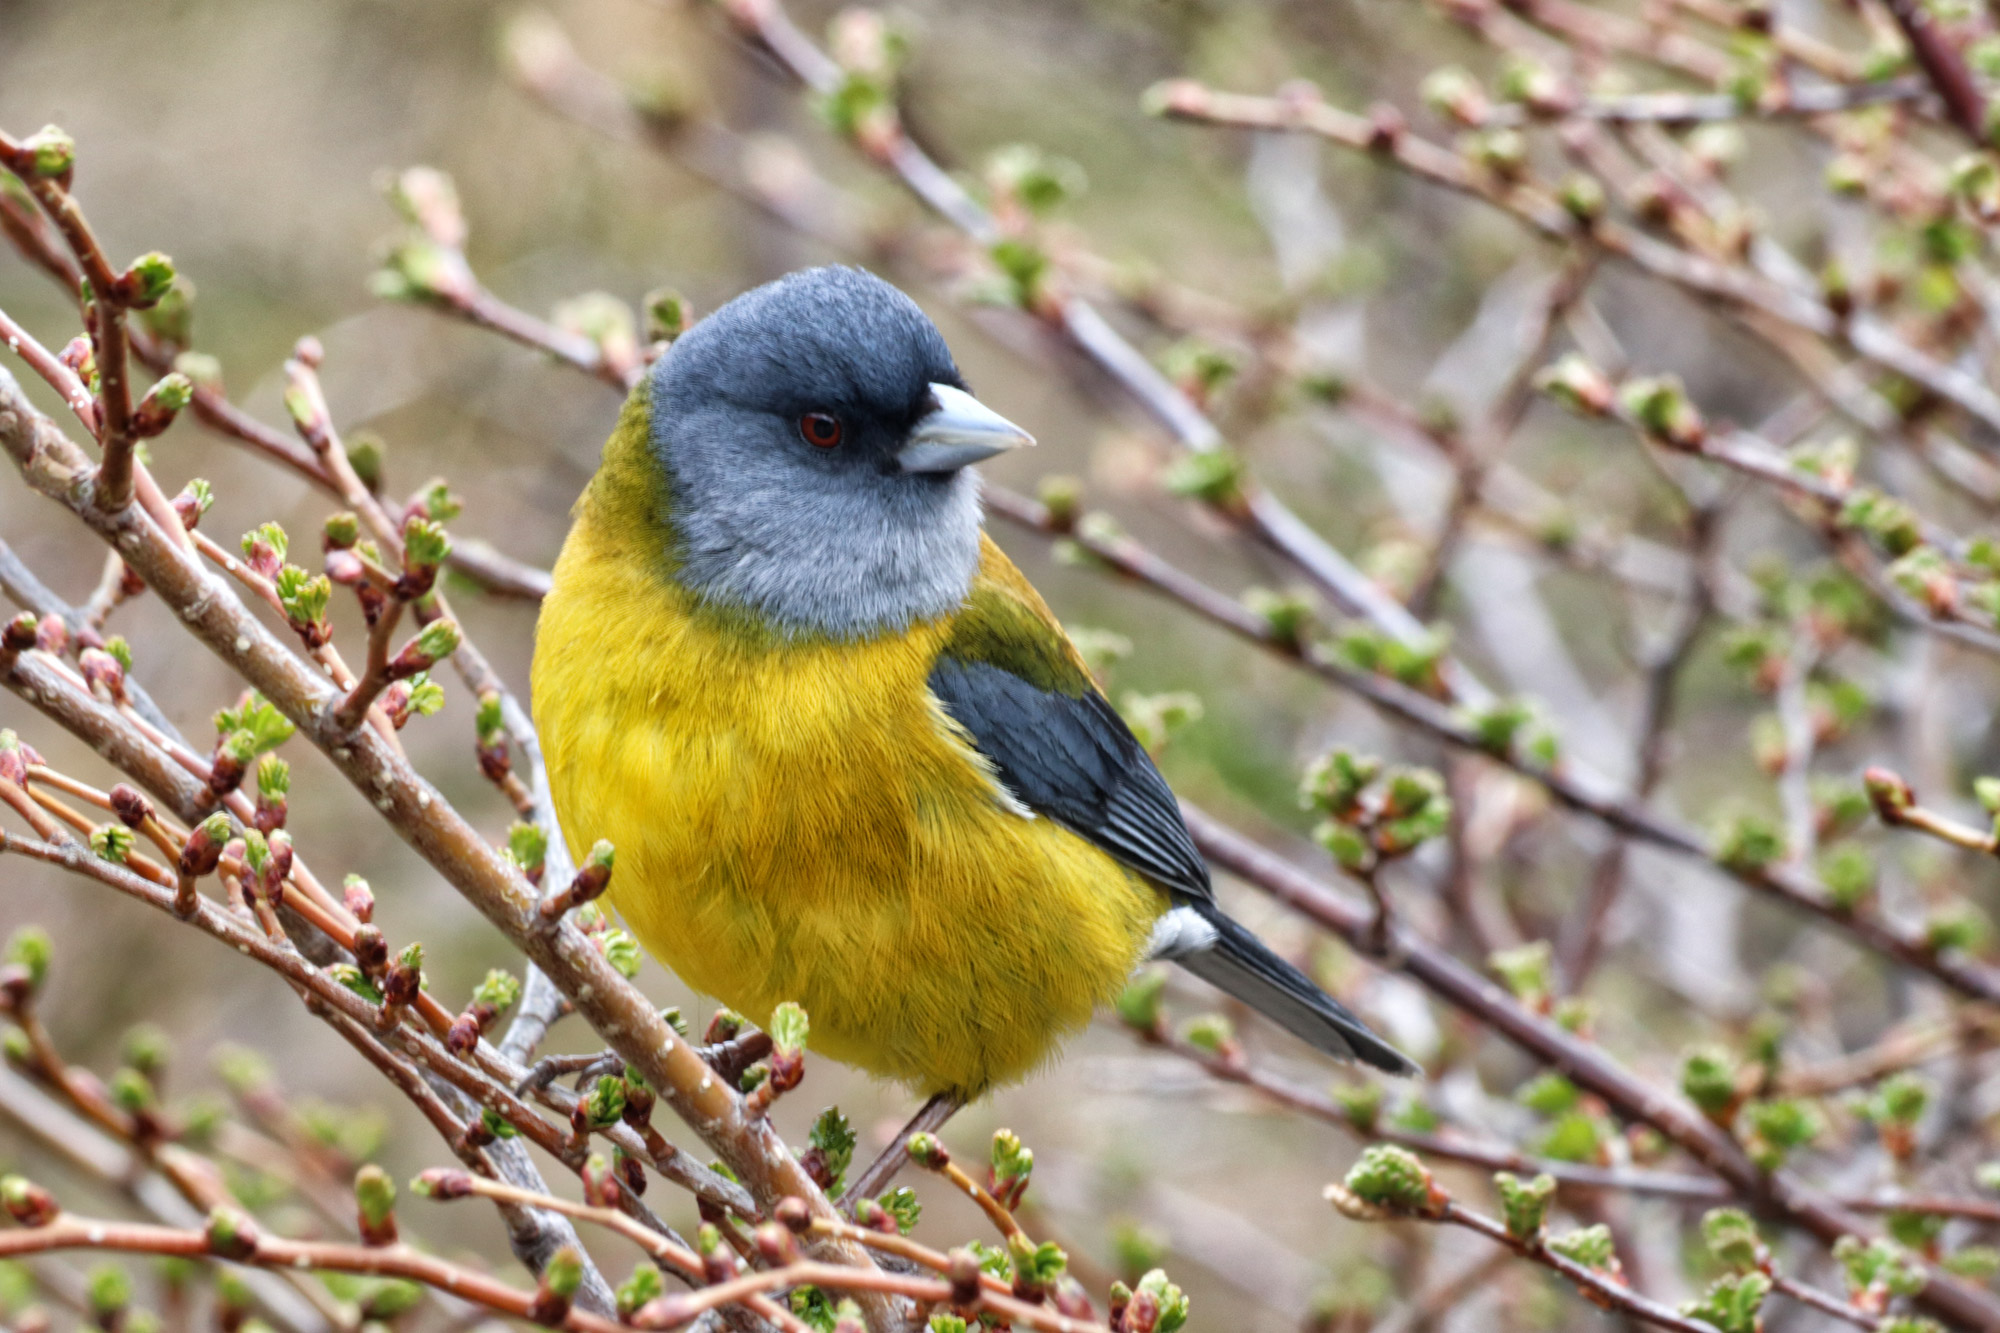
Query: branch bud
point(1577, 384)
point(443, 1183)
point(1888, 793)
point(28, 1203)
point(929, 1152)
point(48, 153)
point(162, 403)
point(192, 502)
point(19, 636)
point(1659, 406)
point(560, 1280)
point(147, 281)
point(231, 1234)
point(202, 851)
point(375, 1203)
point(1525, 1205)
point(130, 805)
point(437, 641)
point(359, 898)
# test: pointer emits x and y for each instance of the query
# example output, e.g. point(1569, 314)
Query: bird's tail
point(1231, 959)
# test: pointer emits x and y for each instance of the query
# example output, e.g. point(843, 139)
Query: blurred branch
point(1732, 287)
point(1777, 1193)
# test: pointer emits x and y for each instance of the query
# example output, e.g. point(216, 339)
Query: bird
point(845, 753)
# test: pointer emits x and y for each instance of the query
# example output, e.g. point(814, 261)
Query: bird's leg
point(727, 1058)
point(552, 1067)
point(730, 1058)
point(1381, 927)
point(928, 1120)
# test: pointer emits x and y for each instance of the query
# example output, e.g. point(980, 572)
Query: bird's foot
point(587, 1069)
point(928, 1120)
point(729, 1059)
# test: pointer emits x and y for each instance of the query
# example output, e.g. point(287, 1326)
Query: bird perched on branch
point(846, 754)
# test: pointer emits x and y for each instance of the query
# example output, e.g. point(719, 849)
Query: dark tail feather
point(1240, 964)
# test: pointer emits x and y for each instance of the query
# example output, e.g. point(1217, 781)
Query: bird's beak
point(958, 431)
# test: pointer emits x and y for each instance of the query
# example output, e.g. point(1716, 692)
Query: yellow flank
point(798, 820)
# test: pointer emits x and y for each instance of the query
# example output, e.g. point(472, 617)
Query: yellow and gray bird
point(846, 754)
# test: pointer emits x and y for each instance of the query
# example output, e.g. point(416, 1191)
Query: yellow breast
point(798, 821)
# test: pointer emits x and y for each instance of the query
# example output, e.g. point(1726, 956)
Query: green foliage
point(901, 1203)
point(622, 952)
point(1172, 1302)
point(789, 1028)
point(1732, 1238)
point(498, 991)
point(304, 596)
point(1334, 782)
point(1748, 843)
point(1899, 1099)
point(1525, 1204)
point(1732, 1303)
point(1958, 926)
point(1390, 1177)
point(1890, 522)
point(1708, 1078)
point(258, 720)
point(1527, 971)
point(1011, 1162)
point(1362, 1104)
point(1214, 476)
point(1591, 1247)
point(1548, 1094)
point(1574, 1137)
point(1877, 1266)
point(833, 1139)
point(1660, 406)
point(1138, 1005)
point(111, 842)
point(1850, 875)
point(438, 640)
point(644, 1285)
point(1212, 1033)
point(267, 536)
point(1038, 181)
point(425, 544)
point(1772, 1130)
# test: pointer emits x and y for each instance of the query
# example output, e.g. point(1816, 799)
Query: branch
point(617, 1010)
point(1589, 1067)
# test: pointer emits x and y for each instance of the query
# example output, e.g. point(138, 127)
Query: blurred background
point(247, 139)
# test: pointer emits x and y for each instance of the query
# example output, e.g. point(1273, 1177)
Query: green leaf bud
point(1525, 1205)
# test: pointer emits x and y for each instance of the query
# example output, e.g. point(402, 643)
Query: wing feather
point(1009, 676)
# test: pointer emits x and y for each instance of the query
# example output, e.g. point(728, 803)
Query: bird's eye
point(820, 430)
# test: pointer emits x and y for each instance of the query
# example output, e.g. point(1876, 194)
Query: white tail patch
point(1180, 932)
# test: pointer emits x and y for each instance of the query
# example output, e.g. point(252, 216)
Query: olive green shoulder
point(1006, 624)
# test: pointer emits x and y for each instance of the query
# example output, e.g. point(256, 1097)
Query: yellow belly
point(798, 822)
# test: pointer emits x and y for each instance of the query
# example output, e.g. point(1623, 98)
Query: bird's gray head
point(816, 434)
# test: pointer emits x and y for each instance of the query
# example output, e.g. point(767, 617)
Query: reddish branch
point(54, 466)
point(1778, 1193)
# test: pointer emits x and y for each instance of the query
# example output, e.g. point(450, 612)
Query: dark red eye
point(820, 430)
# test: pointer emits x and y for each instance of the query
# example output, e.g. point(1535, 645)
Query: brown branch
point(1778, 1193)
point(109, 300)
point(1944, 67)
point(1732, 287)
point(1598, 1288)
point(619, 1012)
point(263, 1250)
point(58, 376)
